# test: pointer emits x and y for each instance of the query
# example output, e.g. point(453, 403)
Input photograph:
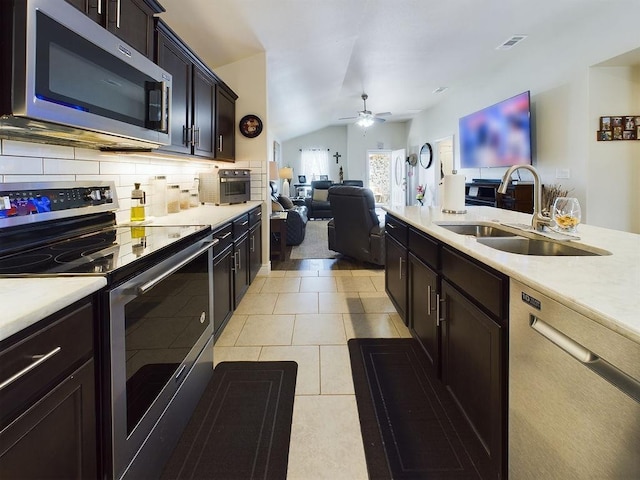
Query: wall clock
point(250, 126)
point(426, 155)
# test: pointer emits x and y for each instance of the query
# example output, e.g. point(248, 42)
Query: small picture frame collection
point(619, 127)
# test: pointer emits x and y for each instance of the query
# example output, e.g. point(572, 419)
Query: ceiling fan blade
point(383, 114)
point(347, 118)
point(378, 119)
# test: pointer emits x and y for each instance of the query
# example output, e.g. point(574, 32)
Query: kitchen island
point(603, 288)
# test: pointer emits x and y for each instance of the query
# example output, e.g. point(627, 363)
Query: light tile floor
point(307, 316)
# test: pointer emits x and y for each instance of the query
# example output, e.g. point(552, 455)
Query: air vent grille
point(511, 42)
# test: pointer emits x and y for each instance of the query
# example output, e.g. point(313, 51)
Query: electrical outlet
point(562, 173)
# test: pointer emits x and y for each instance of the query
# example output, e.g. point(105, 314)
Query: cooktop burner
point(99, 253)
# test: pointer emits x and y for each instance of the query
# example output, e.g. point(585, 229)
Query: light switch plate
point(562, 173)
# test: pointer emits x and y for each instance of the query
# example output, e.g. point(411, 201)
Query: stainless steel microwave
point(73, 82)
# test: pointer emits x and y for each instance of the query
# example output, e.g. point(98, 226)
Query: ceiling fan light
point(365, 121)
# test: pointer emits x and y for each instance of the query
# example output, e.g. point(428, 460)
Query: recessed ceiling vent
point(511, 42)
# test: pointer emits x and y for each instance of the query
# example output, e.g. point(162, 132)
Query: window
point(314, 162)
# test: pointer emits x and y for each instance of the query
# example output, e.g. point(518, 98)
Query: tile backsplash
point(35, 162)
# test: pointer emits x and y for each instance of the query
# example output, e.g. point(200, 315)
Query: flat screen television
point(497, 136)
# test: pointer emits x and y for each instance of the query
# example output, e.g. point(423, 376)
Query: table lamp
point(286, 173)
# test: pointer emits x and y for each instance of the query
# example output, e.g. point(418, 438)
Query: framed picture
point(250, 126)
point(622, 127)
point(324, 177)
point(302, 179)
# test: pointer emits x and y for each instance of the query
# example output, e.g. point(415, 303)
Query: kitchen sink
point(509, 239)
point(540, 247)
point(477, 230)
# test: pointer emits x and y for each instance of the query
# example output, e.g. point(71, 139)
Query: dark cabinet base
point(56, 437)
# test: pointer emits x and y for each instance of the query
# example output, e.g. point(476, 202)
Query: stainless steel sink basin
point(512, 240)
point(477, 230)
point(540, 247)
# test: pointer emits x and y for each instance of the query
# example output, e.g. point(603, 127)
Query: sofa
point(296, 215)
point(317, 203)
point(355, 229)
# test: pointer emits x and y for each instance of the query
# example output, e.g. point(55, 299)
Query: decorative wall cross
point(337, 157)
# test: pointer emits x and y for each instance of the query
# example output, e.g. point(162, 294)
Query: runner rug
point(242, 425)
point(410, 426)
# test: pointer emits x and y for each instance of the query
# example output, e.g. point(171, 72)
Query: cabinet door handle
point(99, 7)
point(118, 9)
point(219, 143)
point(225, 236)
point(186, 135)
point(428, 299)
point(196, 136)
point(246, 222)
point(440, 309)
point(40, 360)
point(253, 243)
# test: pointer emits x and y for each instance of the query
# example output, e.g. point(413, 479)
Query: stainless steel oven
point(225, 186)
point(159, 324)
point(154, 342)
point(68, 80)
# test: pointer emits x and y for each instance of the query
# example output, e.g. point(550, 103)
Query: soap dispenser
point(138, 200)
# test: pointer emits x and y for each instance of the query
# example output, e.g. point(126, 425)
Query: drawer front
point(486, 287)
point(397, 229)
point(225, 236)
point(240, 226)
point(424, 247)
point(255, 216)
point(45, 357)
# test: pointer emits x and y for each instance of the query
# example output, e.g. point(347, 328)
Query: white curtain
point(314, 162)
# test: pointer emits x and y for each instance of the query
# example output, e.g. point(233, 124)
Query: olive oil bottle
point(138, 200)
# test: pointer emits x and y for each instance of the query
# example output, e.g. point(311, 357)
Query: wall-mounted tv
point(497, 136)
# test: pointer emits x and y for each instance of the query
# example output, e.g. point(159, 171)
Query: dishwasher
point(574, 394)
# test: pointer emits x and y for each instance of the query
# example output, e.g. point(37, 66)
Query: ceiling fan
point(365, 117)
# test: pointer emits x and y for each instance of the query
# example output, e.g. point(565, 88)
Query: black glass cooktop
point(104, 252)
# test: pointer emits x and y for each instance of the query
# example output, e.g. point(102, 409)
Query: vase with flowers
point(420, 194)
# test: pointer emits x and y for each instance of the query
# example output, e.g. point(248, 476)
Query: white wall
point(351, 142)
point(613, 170)
point(564, 119)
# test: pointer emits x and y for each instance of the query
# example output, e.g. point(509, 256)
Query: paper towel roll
point(453, 201)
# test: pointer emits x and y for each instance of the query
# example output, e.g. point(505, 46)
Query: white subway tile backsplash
point(39, 178)
point(10, 165)
point(26, 149)
point(116, 168)
point(53, 166)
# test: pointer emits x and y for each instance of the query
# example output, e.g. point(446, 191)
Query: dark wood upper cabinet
point(202, 106)
point(130, 20)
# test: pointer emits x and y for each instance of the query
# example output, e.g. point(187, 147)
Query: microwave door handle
point(145, 287)
point(164, 108)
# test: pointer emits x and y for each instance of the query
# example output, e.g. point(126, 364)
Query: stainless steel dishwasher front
point(574, 394)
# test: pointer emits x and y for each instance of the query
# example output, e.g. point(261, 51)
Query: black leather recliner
point(296, 215)
point(355, 230)
point(317, 204)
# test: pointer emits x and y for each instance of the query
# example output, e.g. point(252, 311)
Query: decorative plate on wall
point(250, 126)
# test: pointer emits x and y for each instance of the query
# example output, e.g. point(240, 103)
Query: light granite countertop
point(603, 288)
point(26, 301)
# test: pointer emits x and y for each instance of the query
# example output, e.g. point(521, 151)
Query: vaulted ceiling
point(323, 54)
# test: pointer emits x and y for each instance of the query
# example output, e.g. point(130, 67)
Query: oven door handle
point(145, 287)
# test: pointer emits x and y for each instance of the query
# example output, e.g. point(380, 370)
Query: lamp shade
point(273, 171)
point(286, 172)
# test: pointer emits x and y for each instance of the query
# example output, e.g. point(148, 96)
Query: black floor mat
point(242, 425)
point(410, 426)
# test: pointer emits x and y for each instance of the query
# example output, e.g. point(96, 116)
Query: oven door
point(160, 322)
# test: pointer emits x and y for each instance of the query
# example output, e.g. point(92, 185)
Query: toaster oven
point(225, 186)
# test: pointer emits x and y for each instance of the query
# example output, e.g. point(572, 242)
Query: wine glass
point(566, 214)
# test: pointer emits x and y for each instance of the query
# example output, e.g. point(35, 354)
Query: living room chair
point(355, 230)
point(318, 204)
point(296, 215)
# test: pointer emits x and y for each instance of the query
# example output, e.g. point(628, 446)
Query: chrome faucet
point(538, 221)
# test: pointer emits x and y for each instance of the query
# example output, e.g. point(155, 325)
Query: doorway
point(379, 168)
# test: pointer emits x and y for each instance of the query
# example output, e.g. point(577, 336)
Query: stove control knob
point(95, 195)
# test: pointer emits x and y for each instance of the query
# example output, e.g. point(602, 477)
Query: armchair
point(296, 215)
point(317, 204)
point(355, 229)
